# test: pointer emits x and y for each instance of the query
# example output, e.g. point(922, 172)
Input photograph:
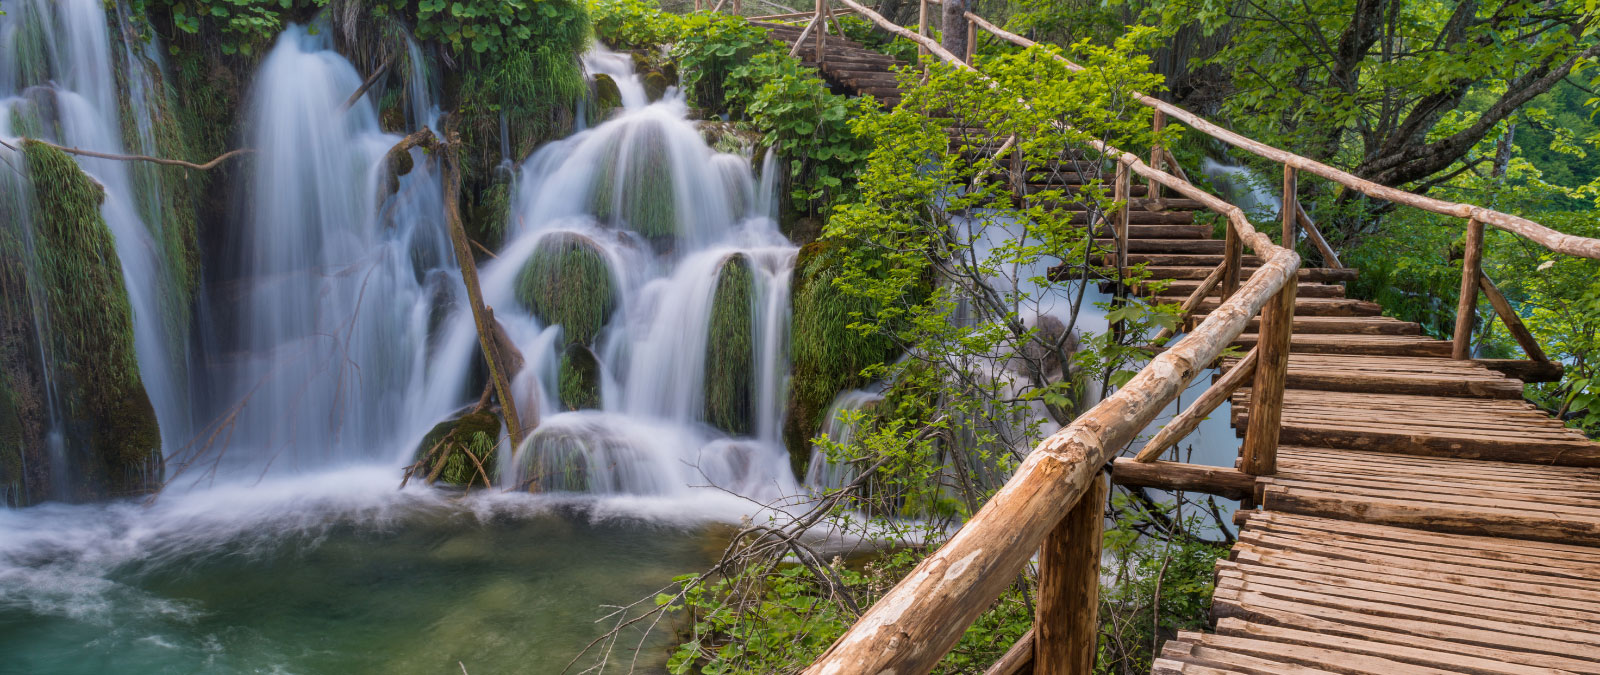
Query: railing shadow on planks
point(1053, 505)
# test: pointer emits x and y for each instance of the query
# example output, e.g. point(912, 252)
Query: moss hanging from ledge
point(730, 348)
point(91, 331)
point(580, 379)
point(567, 281)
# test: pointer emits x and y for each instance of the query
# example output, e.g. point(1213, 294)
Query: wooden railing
point(1054, 504)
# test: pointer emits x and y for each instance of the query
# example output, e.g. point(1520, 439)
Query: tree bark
point(954, 26)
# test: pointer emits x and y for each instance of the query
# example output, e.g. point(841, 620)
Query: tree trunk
point(954, 27)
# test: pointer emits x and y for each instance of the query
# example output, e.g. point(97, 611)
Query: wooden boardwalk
point(1422, 518)
point(847, 64)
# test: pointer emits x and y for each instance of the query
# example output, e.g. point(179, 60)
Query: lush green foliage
point(461, 451)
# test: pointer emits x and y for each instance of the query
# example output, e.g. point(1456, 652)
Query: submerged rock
point(730, 349)
point(567, 282)
point(461, 451)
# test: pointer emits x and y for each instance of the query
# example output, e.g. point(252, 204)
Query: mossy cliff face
point(827, 356)
point(567, 282)
point(730, 349)
point(68, 287)
point(462, 451)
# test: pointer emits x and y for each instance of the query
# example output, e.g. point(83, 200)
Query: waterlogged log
point(1212, 480)
point(1066, 622)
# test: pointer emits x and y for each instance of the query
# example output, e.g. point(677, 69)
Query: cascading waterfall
point(327, 339)
point(58, 76)
point(665, 269)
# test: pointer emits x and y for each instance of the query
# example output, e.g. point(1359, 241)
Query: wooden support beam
point(1211, 480)
point(1260, 450)
point(822, 31)
point(1232, 262)
point(1065, 622)
point(1525, 370)
point(1291, 201)
point(972, 40)
point(1467, 306)
point(1018, 660)
point(1330, 258)
point(1156, 124)
point(1190, 419)
point(802, 39)
point(1186, 310)
point(1525, 339)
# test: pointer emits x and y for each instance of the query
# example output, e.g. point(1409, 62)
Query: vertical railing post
point(822, 31)
point(1291, 207)
point(1119, 236)
point(1467, 307)
point(972, 39)
point(1260, 450)
point(1066, 619)
point(922, 27)
point(1232, 261)
point(1159, 122)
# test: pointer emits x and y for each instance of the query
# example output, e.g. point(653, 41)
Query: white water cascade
point(668, 218)
point(325, 330)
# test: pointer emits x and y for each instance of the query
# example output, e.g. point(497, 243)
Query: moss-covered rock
point(655, 85)
point(634, 190)
point(110, 423)
point(607, 97)
point(730, 348)
point(567, 281)
point(583, 458)
point(579, 378)
point(462, 451)
point(827, 356)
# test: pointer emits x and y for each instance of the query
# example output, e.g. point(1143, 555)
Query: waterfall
point(686, 317)
point(839, 426)
point(325, 328)
point(59, 65)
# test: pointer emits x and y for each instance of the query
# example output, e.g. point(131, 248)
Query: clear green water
point(321, 579)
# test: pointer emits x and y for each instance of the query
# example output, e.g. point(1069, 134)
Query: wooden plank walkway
point(847, 65)
point(1423, 517)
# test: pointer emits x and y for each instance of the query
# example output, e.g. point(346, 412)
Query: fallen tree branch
point(371, 80)
point(136, 158)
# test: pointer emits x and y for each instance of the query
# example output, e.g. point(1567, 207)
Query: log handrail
point(915, 623)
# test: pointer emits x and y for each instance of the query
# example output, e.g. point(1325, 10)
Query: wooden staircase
point(846, 64)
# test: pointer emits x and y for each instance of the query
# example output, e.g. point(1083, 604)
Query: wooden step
point(1492, 429)
point(1318, 274)
point(1177, 246)
point(1544, 503)
point(1370, 345)
point(1302, 306)
point(1160, 231)
point(1306, 290)
point(1395, 375)
point(1186, 260)
point(1340, 325)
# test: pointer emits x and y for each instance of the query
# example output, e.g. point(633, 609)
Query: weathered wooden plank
point(1065, 619)
point(1224, 482)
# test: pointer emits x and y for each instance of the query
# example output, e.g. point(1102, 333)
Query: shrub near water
point(730, 348)
point(567, 281)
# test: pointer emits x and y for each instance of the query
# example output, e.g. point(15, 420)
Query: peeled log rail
point(1559, 242)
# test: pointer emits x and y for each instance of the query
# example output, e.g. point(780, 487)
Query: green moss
point(536, 89)
point(476, 434)
point(655, 85)
point(648, 203)
point(606, 97)
point(730, 348)
point(576, 459)
point(12, 439)
point(580, 379)
point(491, 216)
point(91, 328)
point(827, 355)
point(567, 281)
